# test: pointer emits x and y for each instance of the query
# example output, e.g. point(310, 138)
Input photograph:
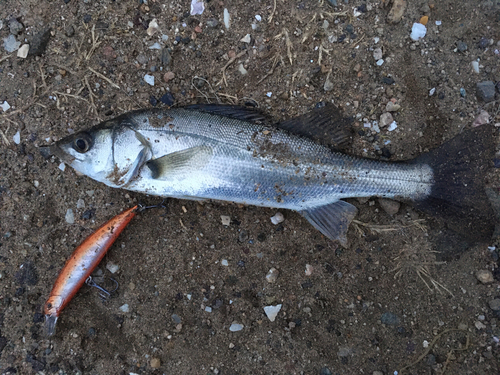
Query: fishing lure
point(80, 265)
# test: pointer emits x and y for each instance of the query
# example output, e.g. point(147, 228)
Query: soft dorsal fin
point(232, 111)
point(332, 219)
point(324, 124)
point(181, 164)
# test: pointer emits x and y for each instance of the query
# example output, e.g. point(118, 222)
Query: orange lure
point(80, 265)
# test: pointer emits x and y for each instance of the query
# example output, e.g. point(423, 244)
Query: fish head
point(111, 152)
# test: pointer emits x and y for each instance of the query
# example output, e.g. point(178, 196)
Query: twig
point(270, 72)
point(43, 76)
point(5, 139)
point(223, 79)
point(104, 78)
point(91, 96)
point(201, 92)
point(272, 13)
point(5, 57)
point(95, 44)
point(389, 228)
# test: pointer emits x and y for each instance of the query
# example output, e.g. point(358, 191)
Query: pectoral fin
point(180, 164)
point(332, 220)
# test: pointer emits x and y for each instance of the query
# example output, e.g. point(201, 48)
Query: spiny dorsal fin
point(231, 111)
point(181, 164)
point(324, 124)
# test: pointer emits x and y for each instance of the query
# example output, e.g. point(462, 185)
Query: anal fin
point(332, 219)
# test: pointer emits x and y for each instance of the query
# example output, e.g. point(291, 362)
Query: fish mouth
point(55, 150)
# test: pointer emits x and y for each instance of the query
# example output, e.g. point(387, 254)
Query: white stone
point(309, 270)
point(380, 62)
point(242, 69)
point(418, 31)
point(208, 309)
point(70, 216)
point(226, 220)
point(149, 79)
point(258, 17)
point(17, 137)
point(224, 262)
point(246, 39)
point(278, 218)
point(227, 19)
point(235, 327)
point(272, 275)
point(113, 268)
point(155, 46)
point(152, 27)
point(475, 66)
point(392, 126)
point(62, 166)
point(23, 51)
point(377, 53)
point(124, 308)
point(197, 7)
point(5, 106)
point(272, 311)
point(432, 91)
point(80, 203)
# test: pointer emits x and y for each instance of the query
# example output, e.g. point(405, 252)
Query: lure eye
point(82, 143)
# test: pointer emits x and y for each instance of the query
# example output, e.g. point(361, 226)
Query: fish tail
point(458, 194)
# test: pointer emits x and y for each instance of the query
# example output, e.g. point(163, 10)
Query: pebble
point(168, 76)
point(486, 91)
point(17, 138)
point(309, 270)
point(69, 31)
point(495, 304)
point(325, 371)
point(224, 262)
point(166, 59)
point(246, 39)
point(391, 107)
point(389, 318)
point(208, 309)
point(62, 166)
point(462, 92)
point(149, 79)
point(479, 325)
point(242, 69)
point(484, 276)
point(152, 27)
point(272, 275)
point(15, 27)
point(212, 22)
point(227, 19)
point(391, 207)
point(424, 20)
point(397, 11)
point(70, 216)
point(481, 119)
point(380, 62)
point(278, 218)
point(461, 46)
point(392, 126)
point(124, 308)
point(418, 31)
point(377, 53)
point(113, 268)
point(176, 318)
point(168, 99)
point(80, 203)
point(155, 362)
point(272, 311)
point(23, 51)
point(10, 44)
point(155, 45)
point(226, 220)
point(432, 91)
point(385, 119)
point(5, 106)
point(235, 327)
point(328, 86)
point(475, 66)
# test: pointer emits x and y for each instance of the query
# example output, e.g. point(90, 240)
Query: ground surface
point(363, 309)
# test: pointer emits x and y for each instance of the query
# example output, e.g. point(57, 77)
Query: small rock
point(385, 119)
point(80, 203)
point(113, 268)
point(69, 31)
point(389, 318)
point(278, 218)
point(5, 106)
point(168, 76)
point(483, 42)
point(149, 79)
point(418, 31)
point(324, 371)
point(212, 22)
point(380, 62)
point(328, 86)
point(23, 51)
point(484, 276)
point(495, 304)
point(246, 39)
point(124, 308)
point(485, 91)
point(235, 327)
point(10, 44)
point(481, 119)
point(424, 20)
point(377, 53)
point(309, 270)
point(392, 126)
point(155, 362)
point(176, 318)
point(272, 311)
point(224, 262)
point(227, 19)
point(391, 107)
point(15, 27)
point(17, 138)
point(479, 325)
point(243, 236)
point(242, 70)
point(397, 11)
point(197, 7)
point(152, 27)
point(39, 42)
point(226, 220)
point(272, 275)
point(166, 58)
point(168, 99)
point(390, 206)
point(70, 216)
point(461, 46)
point(475, 66)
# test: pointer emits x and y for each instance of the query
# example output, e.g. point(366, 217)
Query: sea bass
point(229, 153)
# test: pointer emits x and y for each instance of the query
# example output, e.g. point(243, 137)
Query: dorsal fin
point(232, 111)
point(324, 124)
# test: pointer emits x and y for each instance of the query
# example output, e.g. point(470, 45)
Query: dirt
point(372, 308)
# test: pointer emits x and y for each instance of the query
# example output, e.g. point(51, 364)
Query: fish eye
point(82, 143)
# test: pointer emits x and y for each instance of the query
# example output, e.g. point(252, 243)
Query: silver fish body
point(190, 154)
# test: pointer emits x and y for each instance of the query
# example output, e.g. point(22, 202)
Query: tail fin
point(458, 195)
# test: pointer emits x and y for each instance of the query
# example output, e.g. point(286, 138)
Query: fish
point(234, 154)
point(81, 264)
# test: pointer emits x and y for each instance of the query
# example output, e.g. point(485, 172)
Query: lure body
point(80, 265)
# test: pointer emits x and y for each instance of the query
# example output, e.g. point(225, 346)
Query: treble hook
point(143, 207)
point(104, 293)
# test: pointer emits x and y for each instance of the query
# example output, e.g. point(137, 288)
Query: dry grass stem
point(223, 79)
point(272, 13)
point(389, 228)
point(104, 78)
